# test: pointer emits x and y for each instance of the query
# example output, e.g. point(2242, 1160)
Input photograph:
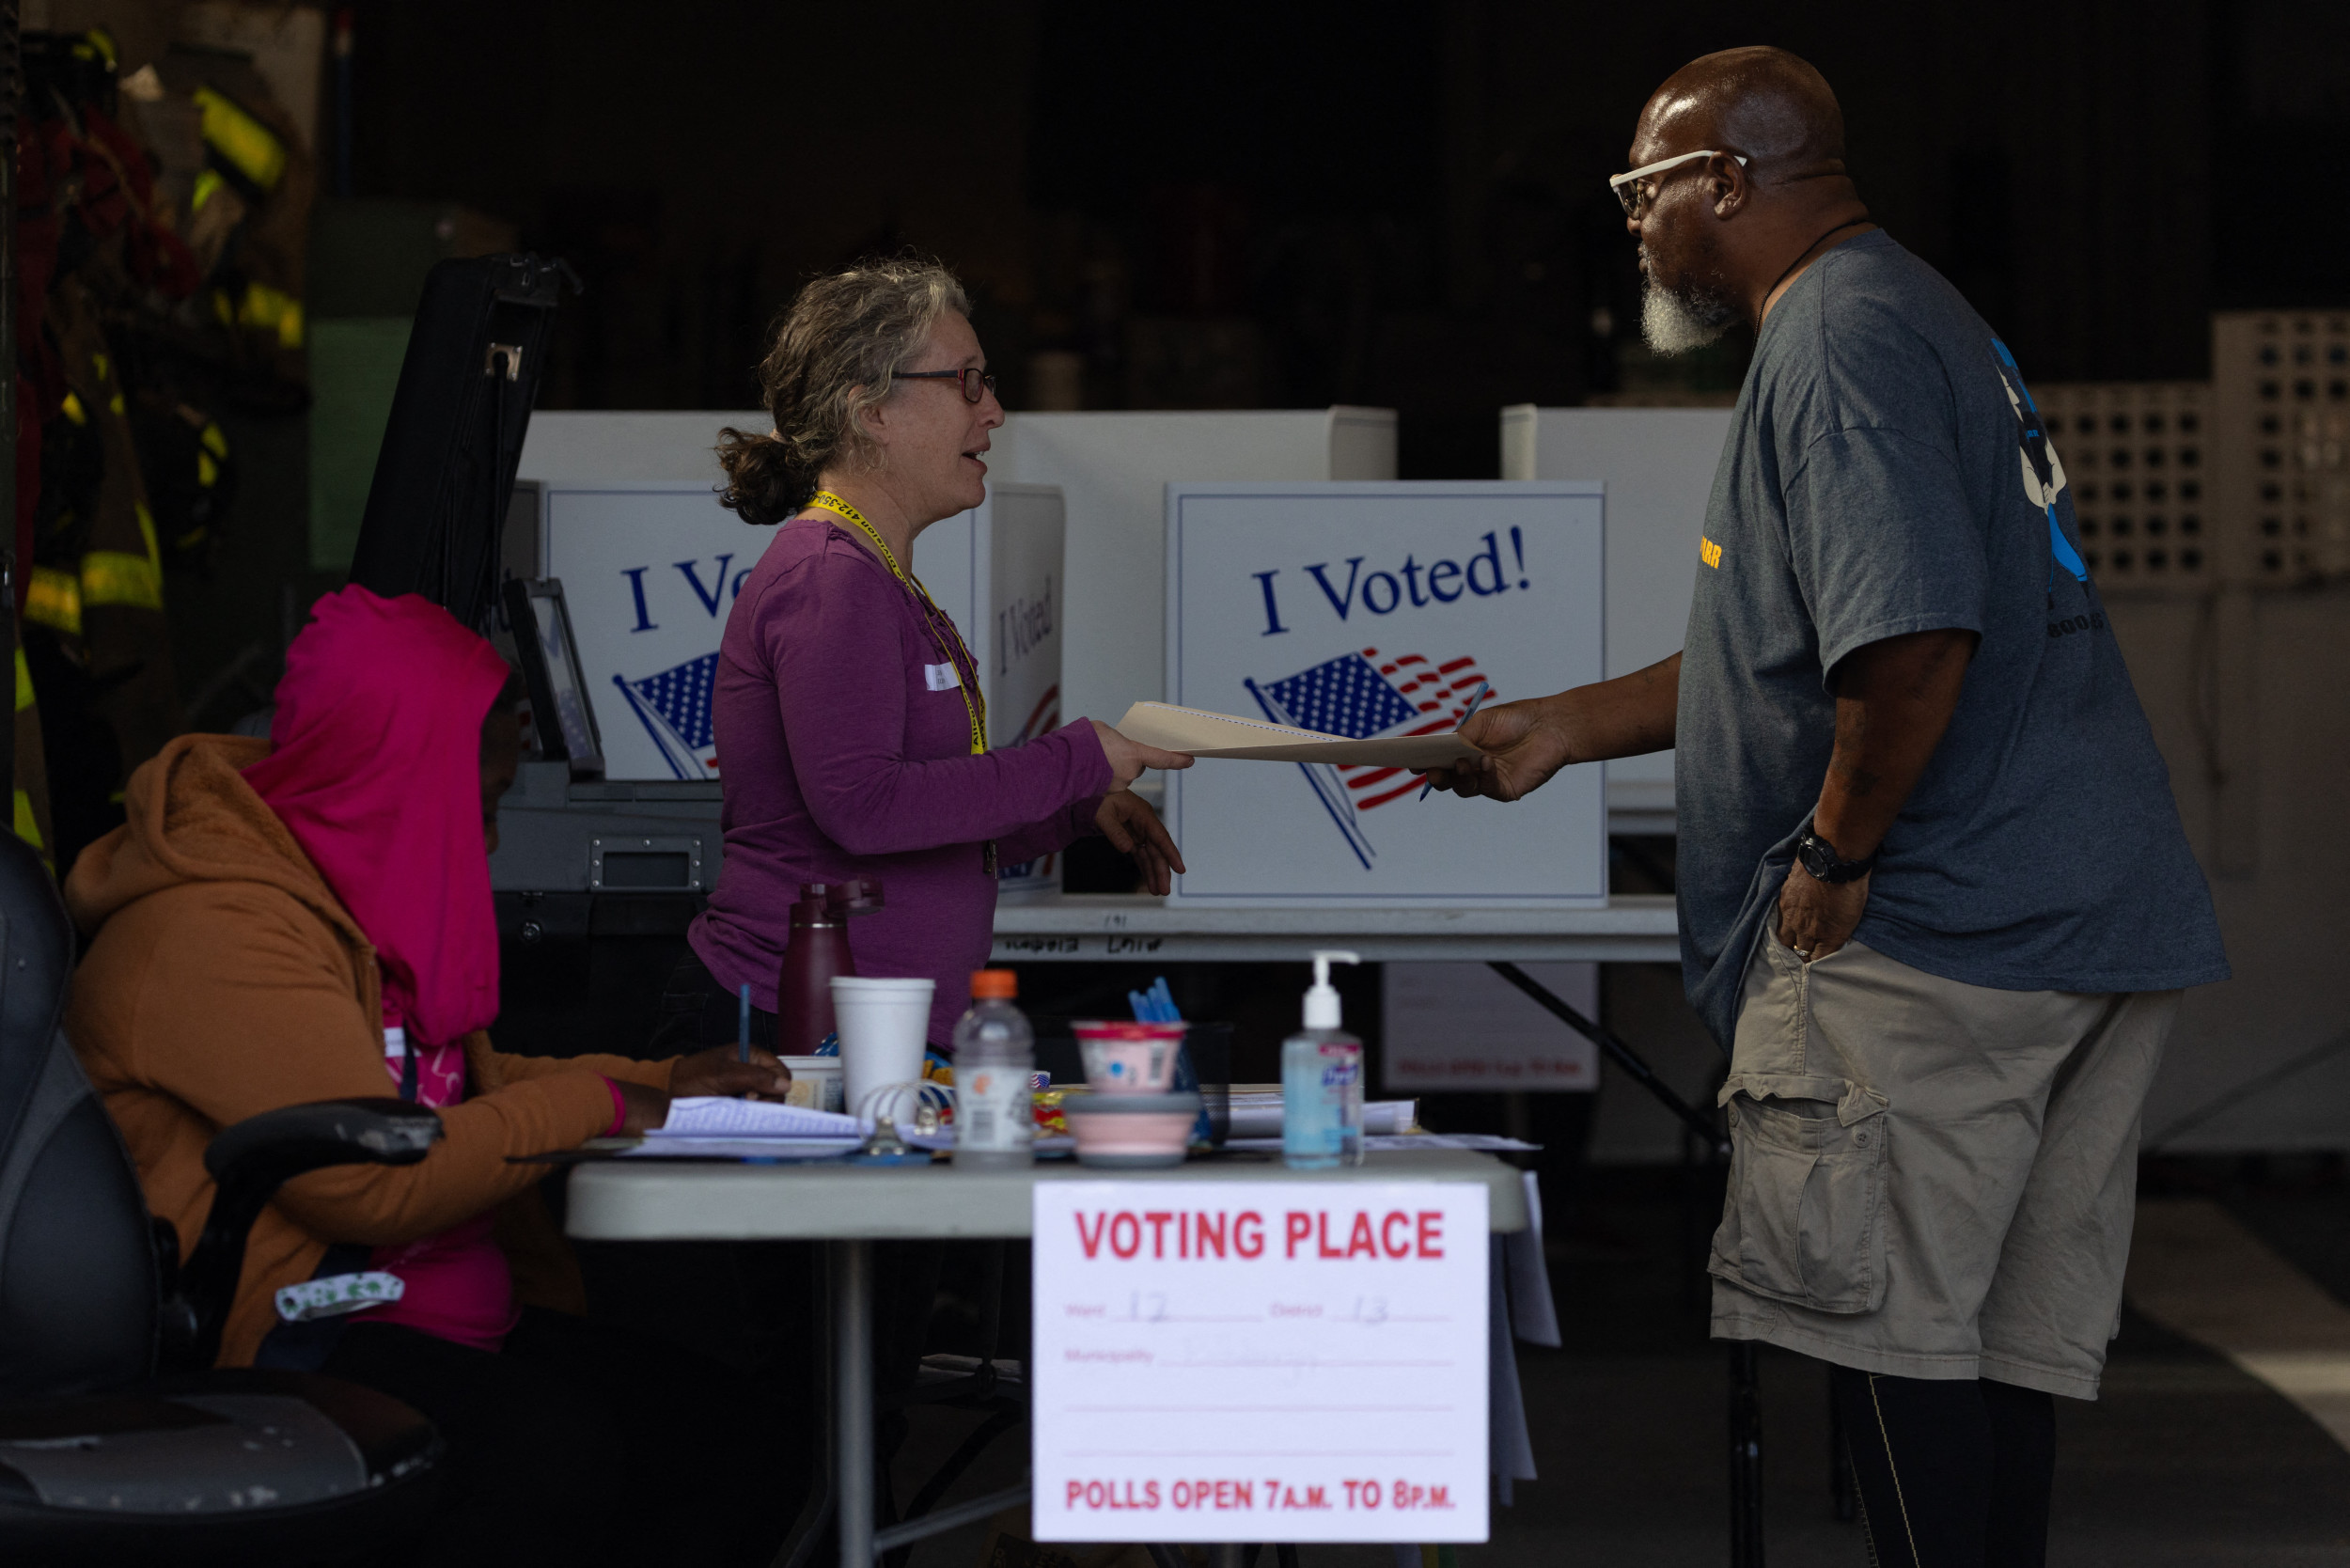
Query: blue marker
point(743, 1029)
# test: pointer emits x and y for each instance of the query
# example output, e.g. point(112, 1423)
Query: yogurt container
point(1126, 1058)
point(815, 1082)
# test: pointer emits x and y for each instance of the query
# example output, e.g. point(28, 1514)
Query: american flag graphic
point(1362, 695)
point(674, 708)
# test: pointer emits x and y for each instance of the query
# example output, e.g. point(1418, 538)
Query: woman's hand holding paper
point(1129, 758)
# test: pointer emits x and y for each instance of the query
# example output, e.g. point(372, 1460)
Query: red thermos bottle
point(816, 951)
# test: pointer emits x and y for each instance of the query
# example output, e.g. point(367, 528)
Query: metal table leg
point(852, 1272)
point(1746, 1457)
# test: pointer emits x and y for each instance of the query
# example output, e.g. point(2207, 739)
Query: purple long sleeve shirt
point(844, 758)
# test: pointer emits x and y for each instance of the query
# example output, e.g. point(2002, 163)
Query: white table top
point(1092, 926)
point(678, 1200)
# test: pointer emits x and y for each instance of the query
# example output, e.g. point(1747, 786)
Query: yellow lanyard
point(967, 668)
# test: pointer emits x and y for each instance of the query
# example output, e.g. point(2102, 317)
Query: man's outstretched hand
point(1523, 744)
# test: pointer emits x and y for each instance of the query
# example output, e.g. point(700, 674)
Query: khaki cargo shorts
point(1931, 1178)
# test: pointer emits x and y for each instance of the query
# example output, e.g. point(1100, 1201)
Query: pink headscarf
point(375, 768)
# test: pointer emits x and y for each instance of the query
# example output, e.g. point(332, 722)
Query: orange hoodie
point(223, 980)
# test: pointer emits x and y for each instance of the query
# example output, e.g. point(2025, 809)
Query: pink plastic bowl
point(1123, 1058)
point(1131, 1132)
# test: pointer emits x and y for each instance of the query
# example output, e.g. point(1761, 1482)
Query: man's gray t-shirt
point(1886, 473)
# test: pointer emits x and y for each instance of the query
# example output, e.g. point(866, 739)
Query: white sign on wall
point(1260, 1360)
point(1379, 610)
point(1461, 1027)
point(650, 571)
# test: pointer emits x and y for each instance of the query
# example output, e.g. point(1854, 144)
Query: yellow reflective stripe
point(23, 682)
point(272, 310)
point(115, 403)
point(72, 406)
point(118, 578)
point(207, 182)
point(27, 826)
point(54, 599)
point(207, 470)
point(115, 577)
point(248, 145)
point(99, 361)
point(215, 441)
point(103, 43)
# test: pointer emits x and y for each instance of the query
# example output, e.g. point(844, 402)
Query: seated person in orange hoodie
point(308, 917)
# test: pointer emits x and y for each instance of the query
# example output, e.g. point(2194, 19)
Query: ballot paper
point(1260, 1360)
point(717, 1115)
point(1257, 1113)
point(691, 1147)
point(1205, 734)
point(1492, 1143)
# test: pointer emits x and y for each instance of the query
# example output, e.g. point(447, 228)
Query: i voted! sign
point(1377, 610)
point(649, 574)
point(1260, 1360)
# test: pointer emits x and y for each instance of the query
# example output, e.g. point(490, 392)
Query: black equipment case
point(445, 475)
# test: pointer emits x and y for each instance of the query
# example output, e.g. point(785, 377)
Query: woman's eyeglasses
point(975, 384)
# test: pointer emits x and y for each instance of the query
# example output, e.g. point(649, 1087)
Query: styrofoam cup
point(883, 1025)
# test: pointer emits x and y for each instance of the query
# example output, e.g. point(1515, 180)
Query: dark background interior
point(1308, 202)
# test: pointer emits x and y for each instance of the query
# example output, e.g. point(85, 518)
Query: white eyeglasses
point(1636, 196)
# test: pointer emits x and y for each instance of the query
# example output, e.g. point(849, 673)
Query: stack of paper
point(1257, 1113)
point(704, 1125)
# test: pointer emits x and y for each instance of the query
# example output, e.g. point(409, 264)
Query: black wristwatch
point(1819, 859)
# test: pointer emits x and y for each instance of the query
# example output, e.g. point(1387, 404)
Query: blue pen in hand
point(1482, 687)
point(743, 1029)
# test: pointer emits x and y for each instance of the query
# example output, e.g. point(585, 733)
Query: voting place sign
point(1379, 610)
point(1259, 1362)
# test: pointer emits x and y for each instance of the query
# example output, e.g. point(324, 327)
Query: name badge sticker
point(941, 678)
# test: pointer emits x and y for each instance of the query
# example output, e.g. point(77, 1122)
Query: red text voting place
point(1275, 1360)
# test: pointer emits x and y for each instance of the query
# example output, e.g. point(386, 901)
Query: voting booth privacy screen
point(1378, 610)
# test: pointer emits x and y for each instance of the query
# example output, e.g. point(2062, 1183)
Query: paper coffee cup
point(883, 1025)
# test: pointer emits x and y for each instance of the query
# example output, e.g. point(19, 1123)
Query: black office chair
point(117, 1446)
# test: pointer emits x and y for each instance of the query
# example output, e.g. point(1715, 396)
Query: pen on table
point(1482, 687)
point(743, 1029)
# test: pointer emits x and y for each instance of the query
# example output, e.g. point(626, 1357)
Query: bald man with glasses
point(1934, 896)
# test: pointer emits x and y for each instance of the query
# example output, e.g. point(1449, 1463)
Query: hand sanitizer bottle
point(1322, 1081)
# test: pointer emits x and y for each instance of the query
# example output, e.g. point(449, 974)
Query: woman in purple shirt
point(850, 729)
